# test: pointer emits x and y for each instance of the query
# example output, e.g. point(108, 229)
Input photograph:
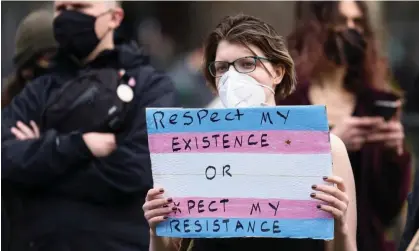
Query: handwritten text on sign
point(241, 172)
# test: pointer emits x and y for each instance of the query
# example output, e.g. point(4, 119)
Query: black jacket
point(71, 200)
point(412, 104)
point(412, 222)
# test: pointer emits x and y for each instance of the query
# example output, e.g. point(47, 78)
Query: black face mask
point(75, 33)
point(346, 47)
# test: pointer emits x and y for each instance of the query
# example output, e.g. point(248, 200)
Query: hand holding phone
point(386, 108)
point(353, 131)
point(390, 134)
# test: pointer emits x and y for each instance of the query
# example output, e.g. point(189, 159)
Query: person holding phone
point(337, 64)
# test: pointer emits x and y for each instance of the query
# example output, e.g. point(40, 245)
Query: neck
point(106, 43)
point(332, 79)
point(271, 101)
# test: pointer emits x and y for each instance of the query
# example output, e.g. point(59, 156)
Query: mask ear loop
point(270, 89)
point(264, 86)
point(264, 67)
point(104, 13)
point(109, 29)
point(82, 63)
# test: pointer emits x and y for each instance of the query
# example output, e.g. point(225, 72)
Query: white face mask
point(241, 90)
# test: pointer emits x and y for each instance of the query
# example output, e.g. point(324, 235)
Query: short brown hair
point(248, 30)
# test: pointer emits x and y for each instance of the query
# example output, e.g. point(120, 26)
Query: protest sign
point(242, 172)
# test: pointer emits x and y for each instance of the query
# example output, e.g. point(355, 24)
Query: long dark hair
point(306, 44)
point(13, 85)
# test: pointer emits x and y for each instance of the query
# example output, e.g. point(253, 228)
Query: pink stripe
point(302, 142)
point(242, 208)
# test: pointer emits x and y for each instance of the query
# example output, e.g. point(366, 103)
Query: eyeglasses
point(242, 65)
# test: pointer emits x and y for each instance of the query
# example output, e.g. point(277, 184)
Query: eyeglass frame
point(232, 63)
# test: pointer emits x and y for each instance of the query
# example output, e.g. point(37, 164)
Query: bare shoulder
point(337, 145)
point(341, 164)
point(343, 169)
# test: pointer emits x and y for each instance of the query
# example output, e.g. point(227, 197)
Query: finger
point(18, 134)
point(337, 214)
point(395, 124)
point(163, 211)
point(358, 132)
point(111, 137)
point(397, 145)
point(152, 193)
point(366, 121)
point(333, 201)
point(392, 144)
point(354, 146)
point(331, 190)
point(153, 222)
point(400, 149)
point(336, 180)
point(25, 129)
point(391, 126)
point(35, 128)
point(358, 140)
point(156, 203)
point(112, 147)
point(355, 143)
point(377, 137)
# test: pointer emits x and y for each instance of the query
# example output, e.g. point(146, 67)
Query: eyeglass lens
point(242, 65)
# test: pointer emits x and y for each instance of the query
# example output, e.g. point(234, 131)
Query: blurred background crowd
point(171, 33)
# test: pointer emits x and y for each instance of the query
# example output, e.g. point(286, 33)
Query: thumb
point(106, 136)
point(400, 150)
point(367, 121)
point(112, 138)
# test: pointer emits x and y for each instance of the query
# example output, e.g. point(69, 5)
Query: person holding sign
point(248, 64)
point(338, 65)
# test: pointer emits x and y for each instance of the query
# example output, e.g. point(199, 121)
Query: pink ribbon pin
point(131, 82)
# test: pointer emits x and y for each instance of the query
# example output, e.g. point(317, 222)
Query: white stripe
point(242, 164)
point(286, 176)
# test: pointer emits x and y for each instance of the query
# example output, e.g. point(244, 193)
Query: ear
point(117, 16)
point(279, 75)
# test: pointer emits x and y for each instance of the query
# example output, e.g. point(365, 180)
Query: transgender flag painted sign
point(241, 172)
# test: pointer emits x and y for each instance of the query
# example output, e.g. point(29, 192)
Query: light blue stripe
point(300, 118)
point(289, 228)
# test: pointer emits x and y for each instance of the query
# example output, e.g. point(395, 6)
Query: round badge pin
point(121, 73)
point(125, 93)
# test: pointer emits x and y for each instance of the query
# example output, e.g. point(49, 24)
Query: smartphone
point(386, 108)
